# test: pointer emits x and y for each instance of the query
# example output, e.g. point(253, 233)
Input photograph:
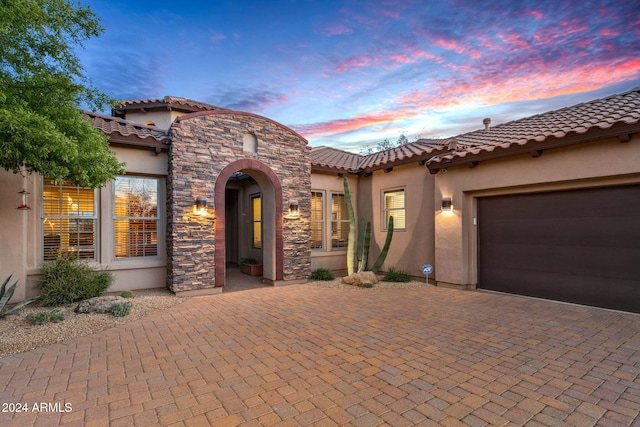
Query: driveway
point(304, 355)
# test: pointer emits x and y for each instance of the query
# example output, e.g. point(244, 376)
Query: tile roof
point(596, 119)
point(168, 102)
point(331, 158)
point(128, 132)
point(600, 118)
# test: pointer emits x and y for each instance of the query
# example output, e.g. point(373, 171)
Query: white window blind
point(135, 217)
point(394, 205)
point(317, 219)
point(339, 221)
point(68, 220)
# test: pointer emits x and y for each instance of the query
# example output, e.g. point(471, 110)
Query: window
point(339, 221)
point(393, 205)
point(68, 220)
point(135, 217)
point(256, 218)
point(317, 219)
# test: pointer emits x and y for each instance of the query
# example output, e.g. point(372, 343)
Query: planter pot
point(252, 269)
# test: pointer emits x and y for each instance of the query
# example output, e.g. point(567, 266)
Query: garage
point(579, 246)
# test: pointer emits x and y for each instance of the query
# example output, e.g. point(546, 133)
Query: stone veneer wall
point(203, 144)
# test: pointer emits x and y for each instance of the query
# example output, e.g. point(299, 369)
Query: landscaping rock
point(357, 279)
point(102, 305)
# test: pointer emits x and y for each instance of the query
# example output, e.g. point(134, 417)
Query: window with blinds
point(317, 219)
point(69, 218)
point(135, 217)
point(256, 219)
point(339, 221)
point(394, 205)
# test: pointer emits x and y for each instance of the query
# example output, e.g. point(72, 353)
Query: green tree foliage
point(42, 86)
point(385, 144)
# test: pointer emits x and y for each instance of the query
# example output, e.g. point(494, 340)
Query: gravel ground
point(18, 335)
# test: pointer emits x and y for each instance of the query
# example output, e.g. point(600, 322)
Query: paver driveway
point(304, 355)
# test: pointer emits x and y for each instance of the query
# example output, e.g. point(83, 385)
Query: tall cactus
point(358, 250)
point(363, 255)
point(385, 249)
point(351, 243)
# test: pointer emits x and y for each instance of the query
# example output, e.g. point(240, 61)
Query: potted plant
point(251, 266)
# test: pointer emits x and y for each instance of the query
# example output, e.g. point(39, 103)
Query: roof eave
point(535, 148)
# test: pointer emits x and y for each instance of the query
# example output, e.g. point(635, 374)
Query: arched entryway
point(272, 211)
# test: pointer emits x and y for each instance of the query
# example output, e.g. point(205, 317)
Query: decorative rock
point(102, 305)
point(357, 279)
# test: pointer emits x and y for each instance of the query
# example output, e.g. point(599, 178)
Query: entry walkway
point(305, 355)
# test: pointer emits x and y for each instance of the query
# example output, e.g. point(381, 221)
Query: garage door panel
point(573, 260)
point(568, 245)
point(578, 290)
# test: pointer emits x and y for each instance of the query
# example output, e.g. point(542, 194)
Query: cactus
point(5, 297)
point(358, 250)
point(385, 249)
point(363, 256)
point(351, 243)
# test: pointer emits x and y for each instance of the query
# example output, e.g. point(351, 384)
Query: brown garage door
point(580, 246)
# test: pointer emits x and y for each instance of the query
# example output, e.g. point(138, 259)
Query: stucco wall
point(13, 228)
point(413, 247)
point(601, 163)
point(204, 145)
point(128, 273)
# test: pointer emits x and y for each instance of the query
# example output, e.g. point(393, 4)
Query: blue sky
point(351, 73)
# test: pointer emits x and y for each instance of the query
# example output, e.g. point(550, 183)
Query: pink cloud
point(449, 45)
point(338, 30)
point(608, 32)
point(355, 123)
point(353, 62)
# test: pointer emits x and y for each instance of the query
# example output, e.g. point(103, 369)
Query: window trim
point(322, 221)
point(331, 221)
point(252, 197)
point(384, 209)
point(95, 217)
point(158, 219)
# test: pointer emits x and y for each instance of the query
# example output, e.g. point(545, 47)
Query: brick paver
point(303, 355)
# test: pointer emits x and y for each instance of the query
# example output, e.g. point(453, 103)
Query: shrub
point(5, 297)
point(394, 275)
point(53, 316)
point(126, 294)
point(322, 274)
point(68, 280)
point(367, 285)
point(122, 309)
point(249, 261)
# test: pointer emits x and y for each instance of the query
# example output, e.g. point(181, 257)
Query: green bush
point(126, 294)
point(367, 285)
point(67, 280)
point(394, 275)
point(53, 316)
point(322, 274)
point(122, 309)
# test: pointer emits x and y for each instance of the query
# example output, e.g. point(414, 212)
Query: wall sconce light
point(294, 209)
point(447, 204)
point(201, 206)
point(24, 206)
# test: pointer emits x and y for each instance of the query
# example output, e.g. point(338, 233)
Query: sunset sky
point(349, 74)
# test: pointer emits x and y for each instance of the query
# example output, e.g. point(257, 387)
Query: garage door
point(580, 246)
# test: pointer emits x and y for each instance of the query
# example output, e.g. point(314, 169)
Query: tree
point(42, 86)
point(385, 144)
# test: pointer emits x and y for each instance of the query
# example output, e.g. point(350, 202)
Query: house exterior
point(545, 206)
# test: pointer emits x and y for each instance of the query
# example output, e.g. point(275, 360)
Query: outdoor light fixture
point(201, 206)
point(294, 209)
point(447, 204)
point(24, 206)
